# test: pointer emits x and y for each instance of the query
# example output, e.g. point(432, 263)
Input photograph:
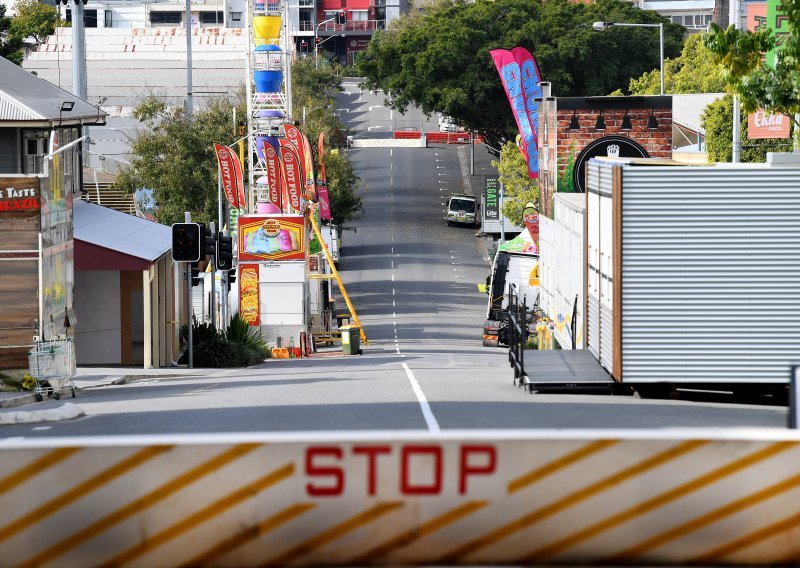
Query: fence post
point(794, 398)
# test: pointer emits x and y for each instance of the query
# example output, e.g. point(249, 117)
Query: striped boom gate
point(559, 497)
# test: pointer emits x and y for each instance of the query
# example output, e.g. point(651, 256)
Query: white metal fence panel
point(711, 273)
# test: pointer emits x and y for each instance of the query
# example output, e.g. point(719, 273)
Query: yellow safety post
point(336, 275)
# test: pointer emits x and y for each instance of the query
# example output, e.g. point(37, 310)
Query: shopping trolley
point(52, 365)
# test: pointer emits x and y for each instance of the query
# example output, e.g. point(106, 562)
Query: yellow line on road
point(570, 500)
point(351, 524)
point(712, 517)
point(209, 512)
point(265, 526)
point(570, 541)
point(35, 467)
point(416, 533)
point(72, 494)
point(142, 503)
point(714, 556)
point(562, 462)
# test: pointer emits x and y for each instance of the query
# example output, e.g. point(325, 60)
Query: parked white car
point(446, 124)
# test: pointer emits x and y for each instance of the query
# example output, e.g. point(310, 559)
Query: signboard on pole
point(271, 237)
point(491, 205)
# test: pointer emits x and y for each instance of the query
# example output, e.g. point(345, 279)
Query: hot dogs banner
point(521, 80)
point(230, 171)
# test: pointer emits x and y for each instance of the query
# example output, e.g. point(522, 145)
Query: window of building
point(358, 15)
point(306, 4)
point(161, 18)
point(215, 18)
point(89, 17)
point(108, 20)
point(236, 16)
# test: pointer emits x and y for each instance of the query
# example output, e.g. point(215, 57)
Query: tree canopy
point(693, 71)
point(33, 21)
point(758, 84)
point(439, 60)
point(10, 43)
point(175, 156)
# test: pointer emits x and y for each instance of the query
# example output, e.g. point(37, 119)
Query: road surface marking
point(41, 428)
point(392, 277)
point(392, 291)
point(392, 265)
point(427, 413)
point(393, 304)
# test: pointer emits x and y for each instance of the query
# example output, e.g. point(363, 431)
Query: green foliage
point(694, 71)
point(35, 20)
point(566, 180)
point(439, 60)
point(10, 43)
point(758, 84)
point(343, 188)
point(518, 188)
point(315, 89)
point(718, 124)
point(238, 346)
point(175, 156)
point(239, 331)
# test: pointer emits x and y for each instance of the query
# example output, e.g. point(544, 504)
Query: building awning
point(106, 239)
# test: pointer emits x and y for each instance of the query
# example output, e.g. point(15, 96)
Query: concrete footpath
point(85, 378)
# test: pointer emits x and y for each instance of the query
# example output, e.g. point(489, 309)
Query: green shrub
point(241, 345)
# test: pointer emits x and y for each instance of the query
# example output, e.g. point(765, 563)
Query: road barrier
point(632, 497)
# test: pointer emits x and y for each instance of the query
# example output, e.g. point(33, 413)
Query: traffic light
point(303, 46)
point(195, 274)
point(317, 40)
point(186, 239)
point(209, 242)
point(231, 278)
point(224, 252)
point(341, 17)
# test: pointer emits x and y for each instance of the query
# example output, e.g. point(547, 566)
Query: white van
point(463, 209)
point(447, 124)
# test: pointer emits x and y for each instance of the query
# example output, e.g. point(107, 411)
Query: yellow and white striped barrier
point(715, 497)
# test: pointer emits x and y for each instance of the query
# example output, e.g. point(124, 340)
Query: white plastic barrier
point(712, 497)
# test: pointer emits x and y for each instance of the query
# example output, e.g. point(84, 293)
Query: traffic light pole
point(213, 283)
point(188, 218)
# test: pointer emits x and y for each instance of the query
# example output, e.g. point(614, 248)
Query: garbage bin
point(351, 340)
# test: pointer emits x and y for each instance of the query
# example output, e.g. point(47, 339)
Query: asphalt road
point(413, 281)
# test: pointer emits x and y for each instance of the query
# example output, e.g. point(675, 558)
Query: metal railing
point(517, 334)
point(353, 26)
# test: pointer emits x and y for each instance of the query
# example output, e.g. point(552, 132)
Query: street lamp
point(602, 26)
point(316, 43)
point(310, 111)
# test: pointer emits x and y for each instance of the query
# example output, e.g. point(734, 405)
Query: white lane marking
point(392, 294)
point(427, 413)
point(392, 253)
point(391, 153)
point(393, 305)
point(394, 315)
point(437, 167)
point(392, 277)
point(392, 267)
point(41, 428)
point(398, 350)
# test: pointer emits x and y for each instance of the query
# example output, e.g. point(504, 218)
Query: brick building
point(571, 128)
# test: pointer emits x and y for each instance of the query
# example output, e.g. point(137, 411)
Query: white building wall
point(98, 333)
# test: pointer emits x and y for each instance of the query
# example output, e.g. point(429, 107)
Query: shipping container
point(693, 272)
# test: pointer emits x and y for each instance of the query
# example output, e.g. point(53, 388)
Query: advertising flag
point(292, 174)
point(308, 157)
point(532, 91)
point(275, 185)
point(511, 77)
point(322, 181)
point(231, 175)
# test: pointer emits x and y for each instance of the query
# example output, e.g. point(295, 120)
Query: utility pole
point(213, 282)
point(502, 217)
point(78, 50)
point(733, 18)
point(188, 19)
point(187, 217)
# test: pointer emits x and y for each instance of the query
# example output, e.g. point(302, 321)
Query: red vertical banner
point(293, 175)
point(322, 181)
point(248, 293)
point(275, 185)
point(230, 171)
